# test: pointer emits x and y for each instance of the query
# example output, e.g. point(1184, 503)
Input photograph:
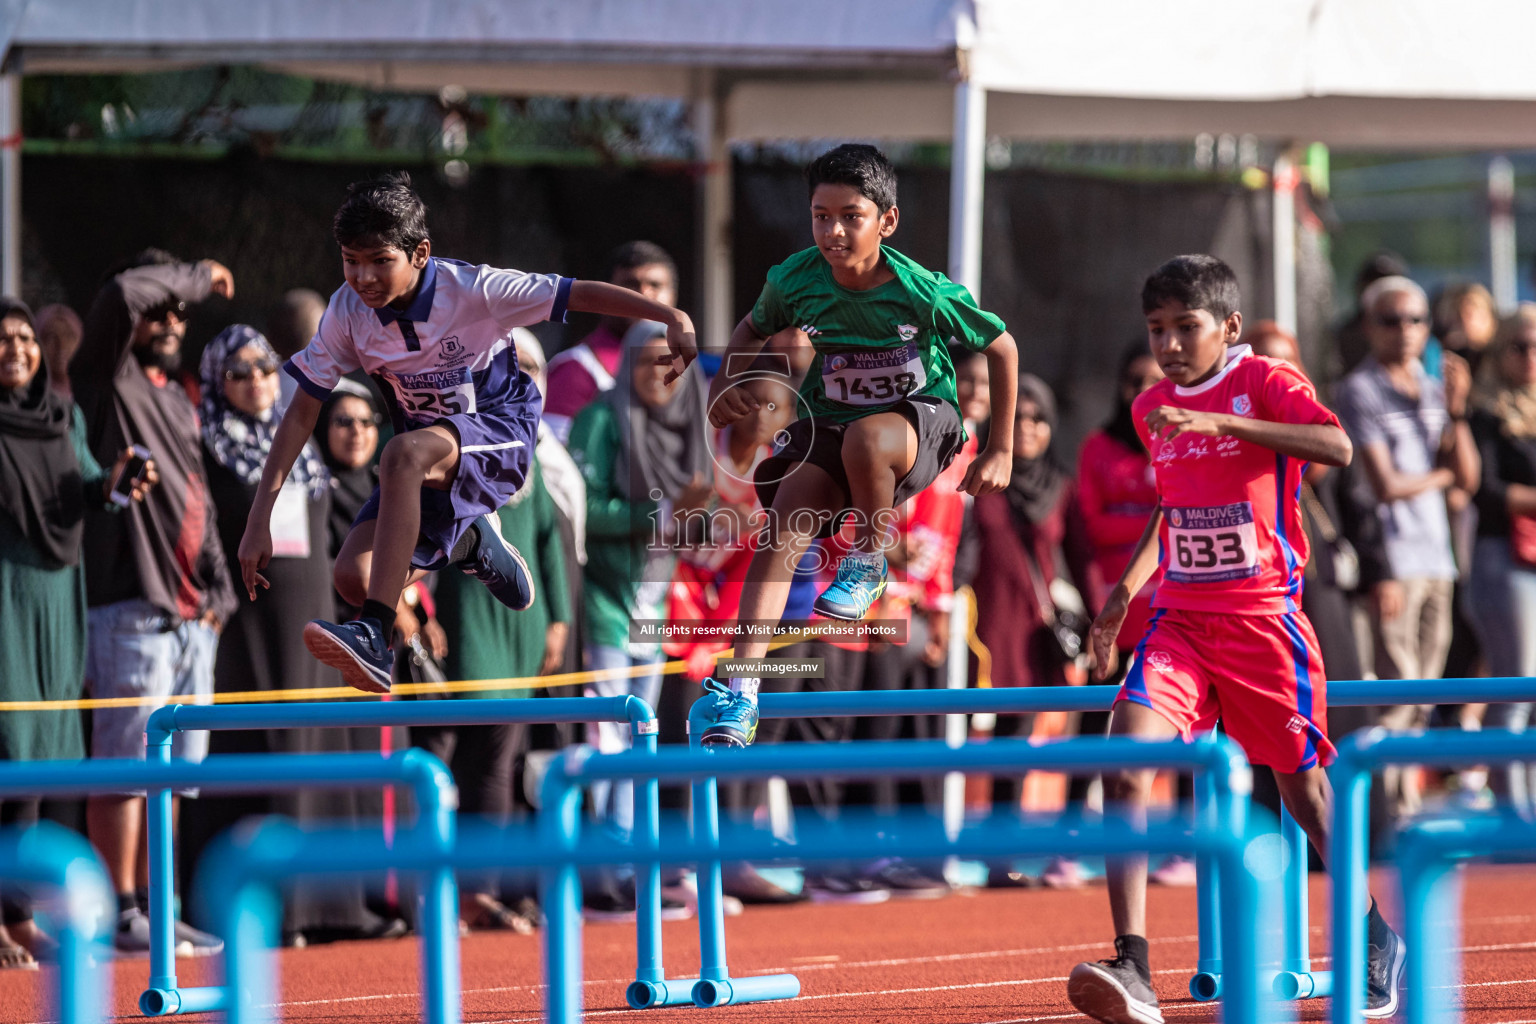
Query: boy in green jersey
point(882, 420)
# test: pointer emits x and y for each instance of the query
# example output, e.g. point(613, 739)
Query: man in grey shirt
point(1411, 433)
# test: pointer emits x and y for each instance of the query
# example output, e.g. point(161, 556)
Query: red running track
point(986, 957)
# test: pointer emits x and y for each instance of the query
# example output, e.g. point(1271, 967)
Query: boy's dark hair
point(1198, 281)
point(857, 166)
point(637, 254)
point(385, 211)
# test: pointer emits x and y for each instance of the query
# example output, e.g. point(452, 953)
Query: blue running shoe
point(498, 565)
point(859, 584)
point(735, 717)
point(358, 649)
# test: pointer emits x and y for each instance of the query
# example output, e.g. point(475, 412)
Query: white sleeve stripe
point(489, 447)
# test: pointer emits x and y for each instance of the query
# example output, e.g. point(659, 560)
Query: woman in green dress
point(47, 478)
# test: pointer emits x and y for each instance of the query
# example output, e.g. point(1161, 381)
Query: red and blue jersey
point(1232, 540)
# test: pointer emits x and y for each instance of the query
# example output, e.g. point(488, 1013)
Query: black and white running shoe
point(1114, 992)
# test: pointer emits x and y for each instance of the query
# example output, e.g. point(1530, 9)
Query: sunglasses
point(348, 422)
point(244, 371)
point(165, 309)
point(1409, 320)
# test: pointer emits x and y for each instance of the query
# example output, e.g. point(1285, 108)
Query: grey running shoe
point(1114, 992)
point(131, 938)
point(1383, 972)
point(191, 943)
point(845, 889)
point(905, 880)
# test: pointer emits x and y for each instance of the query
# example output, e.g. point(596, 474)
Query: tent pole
point(1502, 257)
point(713, 154)
point(966, 182)
point(10, 184)
point(1285, 178)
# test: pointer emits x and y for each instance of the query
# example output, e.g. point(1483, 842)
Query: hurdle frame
point(428, 779)
point(1427, 854)
point(174, 718)
point(1360, 755)
point(51, 855)
point(1295, 978)
point(241, 879)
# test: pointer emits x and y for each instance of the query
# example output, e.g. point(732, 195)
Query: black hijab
point(40, 480)
point(350, 486)
point(1122, 425)
point(1037, 483)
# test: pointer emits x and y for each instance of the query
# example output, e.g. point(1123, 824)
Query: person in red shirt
point(585, 370)
point(1230, 434)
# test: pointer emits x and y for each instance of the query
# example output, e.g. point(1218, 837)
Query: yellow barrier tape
point(403, 689)
point(973, 639)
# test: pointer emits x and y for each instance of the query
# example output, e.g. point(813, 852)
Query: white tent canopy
point(1379, 73)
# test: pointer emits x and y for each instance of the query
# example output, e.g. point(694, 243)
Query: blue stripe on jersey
point(309, 387)
point(1293, 578)
point(1135, 681)
point(562, 301)
point(1301, 665)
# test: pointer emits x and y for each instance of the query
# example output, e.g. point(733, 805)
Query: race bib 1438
point(877, 376)
point(1212, 543)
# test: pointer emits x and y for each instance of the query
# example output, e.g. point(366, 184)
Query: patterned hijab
point(240, 442)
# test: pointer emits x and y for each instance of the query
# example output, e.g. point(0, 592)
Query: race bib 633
point(1212, 543)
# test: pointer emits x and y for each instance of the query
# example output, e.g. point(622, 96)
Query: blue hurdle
point(429, 780)
point(174, 718)
point(48, 854)
point(1427, 854)
point(1295, 978)
point(240, 878)
point(1359, 755)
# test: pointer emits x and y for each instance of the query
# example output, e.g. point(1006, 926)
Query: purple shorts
point(495, 452)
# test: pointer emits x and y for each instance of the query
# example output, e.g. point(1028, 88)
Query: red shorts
point(1261, 675)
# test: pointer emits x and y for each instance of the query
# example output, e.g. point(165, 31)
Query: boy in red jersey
point(1230, 434)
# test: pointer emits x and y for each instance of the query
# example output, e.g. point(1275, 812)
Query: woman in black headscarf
point(1029, 535)
point(47, 478)
point(262, 645)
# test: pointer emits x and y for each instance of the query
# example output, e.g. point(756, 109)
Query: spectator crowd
point(1423, 555)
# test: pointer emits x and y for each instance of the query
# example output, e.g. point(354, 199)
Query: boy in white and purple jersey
point(436, 336)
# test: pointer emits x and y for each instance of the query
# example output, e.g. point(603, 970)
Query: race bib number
point(290, 522)
point(1212, 543)
point(428, 397)
point(873, 376)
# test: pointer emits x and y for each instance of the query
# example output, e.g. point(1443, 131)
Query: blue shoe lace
point(732, 710)
point(858, 582)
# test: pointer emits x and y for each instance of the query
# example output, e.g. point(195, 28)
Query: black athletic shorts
point(820, 442)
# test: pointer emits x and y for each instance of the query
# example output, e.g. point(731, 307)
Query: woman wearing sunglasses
point(262, 646)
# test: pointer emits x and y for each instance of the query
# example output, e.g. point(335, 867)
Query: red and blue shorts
point(1261, 675)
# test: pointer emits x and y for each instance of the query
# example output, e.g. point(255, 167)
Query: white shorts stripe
point(489, 447)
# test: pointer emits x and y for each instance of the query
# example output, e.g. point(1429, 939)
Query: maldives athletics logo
point(906, 332)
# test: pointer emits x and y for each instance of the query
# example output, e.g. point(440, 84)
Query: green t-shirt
point(875, 347)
